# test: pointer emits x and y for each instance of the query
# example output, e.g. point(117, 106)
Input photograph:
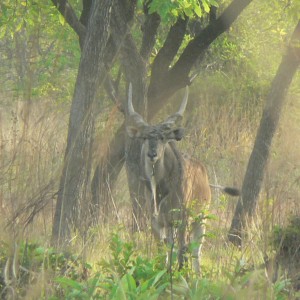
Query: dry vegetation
point(221, 135)
point(223, 114)
point(32, 147)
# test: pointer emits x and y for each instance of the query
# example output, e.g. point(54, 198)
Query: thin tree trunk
point(75, 176)
point(269, 122)
point(135, 71)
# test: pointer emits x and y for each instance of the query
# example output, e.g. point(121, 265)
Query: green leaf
point(61, 19)
point(67, 282)
point(92, 285)
point(158, 276)
point(205, 6)
point(198, 11)
point(214, 3)
point(2, 31)
point(188, 11)
point(131, 284)
point(40, 251)
point(19, 26)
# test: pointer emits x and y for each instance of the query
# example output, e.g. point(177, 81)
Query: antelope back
point(196, 189)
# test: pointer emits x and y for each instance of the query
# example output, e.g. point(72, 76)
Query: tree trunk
point(134, 68)
point(75, 175)
point(270, 118)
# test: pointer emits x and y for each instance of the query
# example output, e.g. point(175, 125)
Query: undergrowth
point(126, 274)
point(131, 267)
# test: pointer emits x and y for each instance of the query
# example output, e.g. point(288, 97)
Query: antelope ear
point(176, 134)
point(133, 131)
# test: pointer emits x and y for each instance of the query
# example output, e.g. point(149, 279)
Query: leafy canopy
point(170, 10)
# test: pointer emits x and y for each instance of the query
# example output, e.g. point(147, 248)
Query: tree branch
point(149, 30)
point(201, 42)
point(166, 54)
point(132, 62)
point(213, 14)
point(178, 75)
point(68, 12)
point(85, 13)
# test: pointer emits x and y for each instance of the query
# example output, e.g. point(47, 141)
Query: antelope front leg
point(165, 234)
point(161, 231)
point(182, 248)
point(197, 239)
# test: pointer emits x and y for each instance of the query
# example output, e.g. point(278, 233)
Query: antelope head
point(155, 136)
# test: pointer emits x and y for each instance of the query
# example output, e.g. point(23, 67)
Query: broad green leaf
point(67, 282)
point(158, 276)
point(131, 284)
point(198, 11)
point(61, 19)
point(205, 6)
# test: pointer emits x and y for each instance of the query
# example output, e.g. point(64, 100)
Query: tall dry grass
point(33, 139)
point(32, 146)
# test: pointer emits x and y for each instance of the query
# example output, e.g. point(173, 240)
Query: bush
point(128, 274)
point(287, 239)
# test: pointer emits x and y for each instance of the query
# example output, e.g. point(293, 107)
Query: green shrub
point(128, 274)
point(287, 239)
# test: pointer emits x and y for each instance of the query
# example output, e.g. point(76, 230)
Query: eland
point(176, 186)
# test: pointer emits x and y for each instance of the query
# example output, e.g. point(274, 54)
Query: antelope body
point(176, 186)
